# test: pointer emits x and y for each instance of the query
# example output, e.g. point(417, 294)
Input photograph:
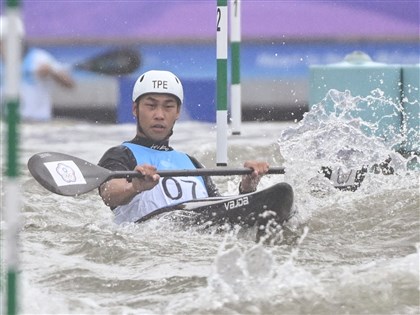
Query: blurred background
point(280, 41)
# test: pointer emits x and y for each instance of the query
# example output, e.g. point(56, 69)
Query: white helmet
point(156, 81)
point(4, 21)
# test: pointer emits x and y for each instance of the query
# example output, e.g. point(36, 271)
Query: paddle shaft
point(196, 172)
point(57, 172)
point(70, 176)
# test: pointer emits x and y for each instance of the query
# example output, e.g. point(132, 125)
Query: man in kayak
point(157, 99)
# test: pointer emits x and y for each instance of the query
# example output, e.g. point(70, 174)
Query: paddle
point(353, 178)
point(114, 62)
point(70, 176)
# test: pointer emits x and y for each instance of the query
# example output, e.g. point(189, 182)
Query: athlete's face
point(156, 114)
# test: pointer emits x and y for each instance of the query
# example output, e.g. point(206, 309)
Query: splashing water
point(334, 135)
point(343, 253)
point(338, 136)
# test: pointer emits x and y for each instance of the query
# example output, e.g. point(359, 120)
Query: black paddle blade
point(66, 175)
point(350, 180)
point(116, 62)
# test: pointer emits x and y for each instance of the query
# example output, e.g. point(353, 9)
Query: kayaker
point(157, 99)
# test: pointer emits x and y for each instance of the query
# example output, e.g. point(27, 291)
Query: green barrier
point(411, 105)
point(377, 84)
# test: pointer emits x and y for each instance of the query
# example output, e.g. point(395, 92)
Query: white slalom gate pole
point(12, 197)
point(221, 90)
point(235, 88)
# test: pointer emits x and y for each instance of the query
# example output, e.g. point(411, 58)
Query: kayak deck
point(269, 206)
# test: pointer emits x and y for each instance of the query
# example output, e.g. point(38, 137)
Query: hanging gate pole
point(12, 197)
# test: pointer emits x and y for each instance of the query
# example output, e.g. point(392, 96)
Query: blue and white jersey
point(169, 191)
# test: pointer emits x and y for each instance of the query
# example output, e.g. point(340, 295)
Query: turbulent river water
point(342, 253)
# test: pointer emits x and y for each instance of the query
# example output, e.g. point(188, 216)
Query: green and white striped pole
point(221, 91)
point(235, 43)
point(12, 197)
